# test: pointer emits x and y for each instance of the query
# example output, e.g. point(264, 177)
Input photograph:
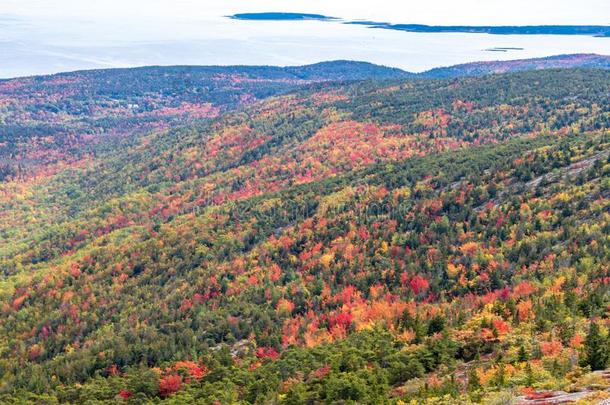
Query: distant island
point(280, 17)
point(590, 30)
point(503, 49)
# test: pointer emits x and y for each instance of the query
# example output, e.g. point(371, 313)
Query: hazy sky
point(476, 12)
point(48, 36)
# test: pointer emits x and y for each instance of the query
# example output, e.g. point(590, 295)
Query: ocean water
point(50, 46)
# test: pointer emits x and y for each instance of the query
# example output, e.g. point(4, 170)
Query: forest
point(292, 240)
point(49, 121)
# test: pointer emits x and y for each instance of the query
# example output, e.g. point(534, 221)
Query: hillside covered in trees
point(49, 121)
point(395, 240)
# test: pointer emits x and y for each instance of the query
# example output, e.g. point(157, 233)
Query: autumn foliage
point(353, 242)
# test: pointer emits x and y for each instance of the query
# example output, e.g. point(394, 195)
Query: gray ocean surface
point(42, 47)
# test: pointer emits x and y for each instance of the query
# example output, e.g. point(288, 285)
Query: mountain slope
point(48, 122)
point(55, 119)
point(496, 67)
point(361, 241)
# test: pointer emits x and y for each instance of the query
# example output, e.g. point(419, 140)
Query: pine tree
point(596, 354)
point(529, 375)
point(474, 385)
point(474, 382)
point(500, 376)
point(522, 356)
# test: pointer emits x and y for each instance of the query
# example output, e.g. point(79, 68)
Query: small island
point(503, 49)
point(277, 16)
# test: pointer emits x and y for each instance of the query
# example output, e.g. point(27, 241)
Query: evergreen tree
point(474, 382)
point(596, 349)
point(529, 375)
point(522, 356)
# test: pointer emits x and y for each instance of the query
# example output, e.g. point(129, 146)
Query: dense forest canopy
point(382, 241)
point(46, 121)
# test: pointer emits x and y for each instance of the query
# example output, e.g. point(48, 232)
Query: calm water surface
point(39, 47)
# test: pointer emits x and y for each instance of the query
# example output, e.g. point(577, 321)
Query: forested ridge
point(49, 121)
point(380, 241)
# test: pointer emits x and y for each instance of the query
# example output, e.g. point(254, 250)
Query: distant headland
point(589, 30)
